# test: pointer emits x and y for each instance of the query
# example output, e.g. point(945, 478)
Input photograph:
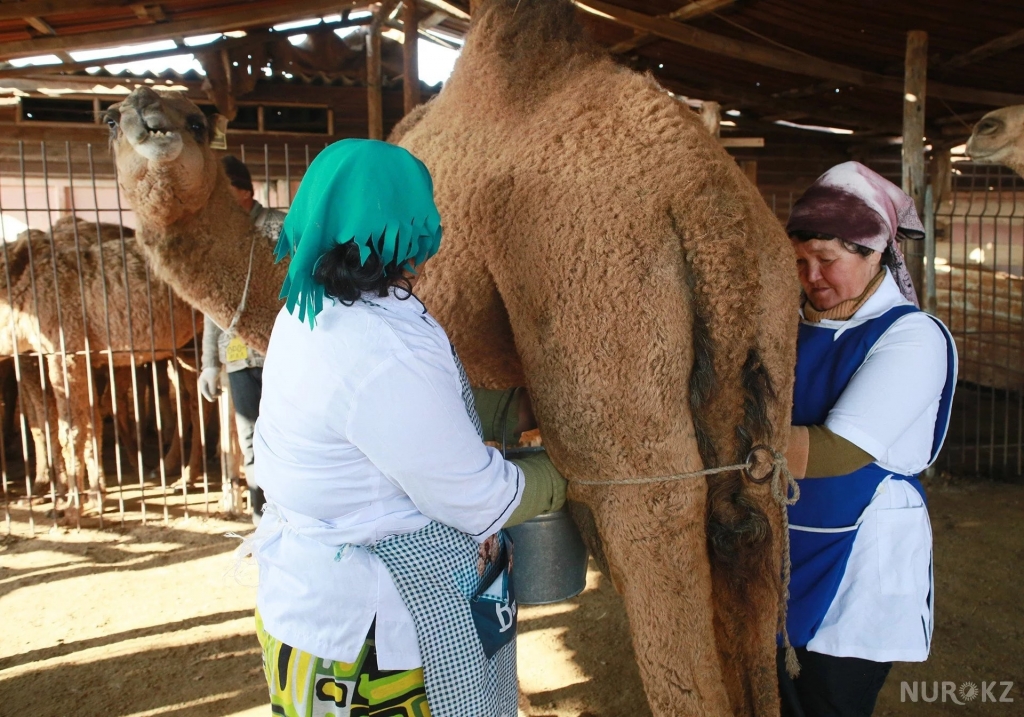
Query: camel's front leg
point(654, 539)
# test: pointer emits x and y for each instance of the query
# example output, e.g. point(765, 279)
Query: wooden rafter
point(231, 20)
point(152, 13)
point(691, 11)
point(253, 39)
point(785, 60)
point(983, 52)
point(36, 8)
point(40, 25)
point(735, 96)
point(448, 8)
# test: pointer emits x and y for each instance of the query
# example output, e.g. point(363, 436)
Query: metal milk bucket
point(549, 557)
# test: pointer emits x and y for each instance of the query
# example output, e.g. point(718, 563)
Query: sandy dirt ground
point(146, 621)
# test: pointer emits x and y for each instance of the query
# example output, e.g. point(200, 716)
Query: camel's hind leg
point(79, 427)
point(659, 533)
point(182, 378)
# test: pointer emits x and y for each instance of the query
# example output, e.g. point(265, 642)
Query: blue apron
point(824, 522)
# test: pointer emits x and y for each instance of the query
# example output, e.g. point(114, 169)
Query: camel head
point(161, 145)
point(998, 138)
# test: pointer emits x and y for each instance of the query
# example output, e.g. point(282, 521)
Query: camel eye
point(111, 123)
point(197, 126)
point(989, 126)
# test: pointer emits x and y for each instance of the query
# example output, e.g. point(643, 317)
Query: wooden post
point(410, 56)
point(914, 87)
point(711, 114)
point(374, 100)
point(942, 174)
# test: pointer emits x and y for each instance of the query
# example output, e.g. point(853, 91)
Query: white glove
point(209, 383)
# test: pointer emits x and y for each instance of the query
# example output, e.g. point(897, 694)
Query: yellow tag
point(237, 350)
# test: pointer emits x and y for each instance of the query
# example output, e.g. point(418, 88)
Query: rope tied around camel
point(785, 491)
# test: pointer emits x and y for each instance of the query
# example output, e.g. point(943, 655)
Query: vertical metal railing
point(73, 347)
point(979, 294)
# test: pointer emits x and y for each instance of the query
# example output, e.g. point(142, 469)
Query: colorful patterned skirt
point(302, 685)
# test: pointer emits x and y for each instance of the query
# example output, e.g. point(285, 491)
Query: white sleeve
point(900, 380)
point(409, 419)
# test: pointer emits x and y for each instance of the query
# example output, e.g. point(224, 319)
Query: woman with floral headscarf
point(874, 386)
point(384, 573)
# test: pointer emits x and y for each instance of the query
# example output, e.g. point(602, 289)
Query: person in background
point(243, 364)
point(874, 388)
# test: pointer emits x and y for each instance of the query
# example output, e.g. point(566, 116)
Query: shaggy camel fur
point(603, 249)
point(998, 138)
point(192, 231)
point(41, 315)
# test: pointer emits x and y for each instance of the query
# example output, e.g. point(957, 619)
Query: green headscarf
point(373, 193)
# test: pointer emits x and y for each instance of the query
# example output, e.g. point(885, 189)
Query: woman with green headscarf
point(384, 574)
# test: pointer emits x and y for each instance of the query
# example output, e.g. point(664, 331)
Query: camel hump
point(528, 38)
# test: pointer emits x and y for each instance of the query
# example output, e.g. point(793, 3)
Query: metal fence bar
point(86, 347)
point(112, 374)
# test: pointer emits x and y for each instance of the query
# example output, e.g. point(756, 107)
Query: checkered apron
point(435, 571)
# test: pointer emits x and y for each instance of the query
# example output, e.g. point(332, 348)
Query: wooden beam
point(734, 96)
point(253, 39)
point(915, 86)
point(218, 84)
point(36, 8)
point(785, 60)
point(695, 9)
point(742, 142)
point(410, 56)
point(983, 52)
point(448, 8)
point(231, 20)
point(40, 25)
point(152, 13)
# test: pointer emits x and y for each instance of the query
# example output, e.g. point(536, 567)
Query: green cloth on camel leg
point(499, 413)
point(372, 193)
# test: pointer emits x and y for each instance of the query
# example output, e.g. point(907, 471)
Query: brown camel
point(603, 249)
point(998, 138)
point(191, 230)
point(32, 315)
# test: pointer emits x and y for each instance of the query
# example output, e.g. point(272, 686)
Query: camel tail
point(725, 287)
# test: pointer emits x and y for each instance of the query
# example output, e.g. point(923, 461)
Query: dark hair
point(346, 279)
point(888, 258)
point(238, 173)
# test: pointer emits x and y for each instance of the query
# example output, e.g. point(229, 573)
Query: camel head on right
point(998, 138)
point(161, 146)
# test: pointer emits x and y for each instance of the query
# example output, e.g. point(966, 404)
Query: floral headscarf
point(857, 205)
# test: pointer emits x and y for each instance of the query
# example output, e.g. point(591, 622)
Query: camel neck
point(205, 256)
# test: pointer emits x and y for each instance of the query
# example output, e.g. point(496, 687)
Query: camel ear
point(218, 131)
